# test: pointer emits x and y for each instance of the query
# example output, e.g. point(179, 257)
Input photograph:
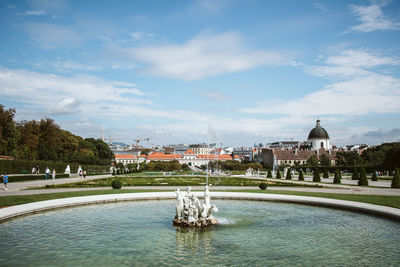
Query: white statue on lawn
point(67, 170)
point(191, 212)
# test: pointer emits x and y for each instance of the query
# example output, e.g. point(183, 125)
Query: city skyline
point(257, 71)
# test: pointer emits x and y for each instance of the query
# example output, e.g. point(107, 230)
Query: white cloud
point(66, 106)
point(41, 89)
point(204, 55)
point(360, 58)
point(51, 35)
point(320, 6)
point(141, 36)
point(35, 12)
point(215, 96)
point(372, 19)
point(353, 89)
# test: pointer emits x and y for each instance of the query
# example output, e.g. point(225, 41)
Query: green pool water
point(249, 233)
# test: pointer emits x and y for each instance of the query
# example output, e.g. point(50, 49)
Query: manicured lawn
point(172, 181)
point(391, 201)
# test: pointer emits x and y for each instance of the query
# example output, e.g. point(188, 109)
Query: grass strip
point(390, 201)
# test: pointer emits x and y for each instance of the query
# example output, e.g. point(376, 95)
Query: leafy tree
point(338, 177)
point(289, 174)
point(324, 160)
point(355, 174)
point(363, 177)
point(316, 177)
point(269, 173)
point(301, 175)
point(8, 132)
point(312, 161)
point(278, 174)
point(374, 176)
point(145, 151)
point(396, 179)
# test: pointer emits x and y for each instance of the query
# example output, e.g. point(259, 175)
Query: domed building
point(319, 137)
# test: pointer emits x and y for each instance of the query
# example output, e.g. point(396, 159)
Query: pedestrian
point(37, 169)
point(84, 174)
point(53, 175)
point(33, 170)
point(47, 173)
point(80, 174)
point(5, 181)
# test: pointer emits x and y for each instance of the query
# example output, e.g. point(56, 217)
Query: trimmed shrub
point(396, 179)
point(289, 175)
point(326, 173)
point(374, 176)
point(278, 174)
point(116, 184)
point(316, 177)
point(338, 177)
point(301, 175)
point(263, 186)
point(355, 174)
point(363, 177)
point(269, 174)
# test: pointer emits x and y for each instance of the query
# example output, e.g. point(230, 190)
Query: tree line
point(44, 140)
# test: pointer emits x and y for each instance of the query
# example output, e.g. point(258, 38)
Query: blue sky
point(258, 71)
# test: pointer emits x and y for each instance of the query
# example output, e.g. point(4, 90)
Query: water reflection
point(194, 240)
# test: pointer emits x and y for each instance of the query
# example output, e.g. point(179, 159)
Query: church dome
point(318, 132)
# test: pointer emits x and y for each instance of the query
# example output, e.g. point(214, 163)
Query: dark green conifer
point(269, 174)
point(396, 179)
point(316, 177)
point(363, 177)
point(113, 173)
point(289, 174)
point(301, 175)
point(278, 174)
point(326, 173)
point(374, 177)
point(355, 174)
point(338, 177)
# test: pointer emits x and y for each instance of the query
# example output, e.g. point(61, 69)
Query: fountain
point(191, 212)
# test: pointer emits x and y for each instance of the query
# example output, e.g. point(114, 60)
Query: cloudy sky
point(258, 71)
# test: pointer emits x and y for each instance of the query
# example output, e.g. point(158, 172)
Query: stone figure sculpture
point(67, 170)
point(191, 212)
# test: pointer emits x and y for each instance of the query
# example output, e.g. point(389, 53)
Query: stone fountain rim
point(41, 206)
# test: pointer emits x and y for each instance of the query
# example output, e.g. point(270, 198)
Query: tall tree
point(8, 132)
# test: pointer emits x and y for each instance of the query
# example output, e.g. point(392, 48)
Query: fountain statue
point(67, 170)
point(191, 212)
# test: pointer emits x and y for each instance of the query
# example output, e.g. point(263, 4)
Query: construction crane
point(137, 141)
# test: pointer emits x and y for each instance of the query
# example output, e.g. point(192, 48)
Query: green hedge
point(25, 167)
point(20, 178)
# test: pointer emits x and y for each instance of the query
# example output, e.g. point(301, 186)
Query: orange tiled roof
point(162, 156)
point(189, 152)
point(125, 157)
point(215, 157)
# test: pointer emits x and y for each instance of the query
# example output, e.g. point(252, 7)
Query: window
point(322, 144)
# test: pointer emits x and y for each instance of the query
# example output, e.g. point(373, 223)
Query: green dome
point(318, 132)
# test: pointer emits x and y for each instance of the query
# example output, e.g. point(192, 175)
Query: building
point(189, 158)
point(284, 144)
point(202, 149)
point(319, 138)
point(279, 157)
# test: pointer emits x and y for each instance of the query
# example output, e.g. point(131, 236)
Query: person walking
point(5, 181)
point(84, 174)
point(53, 175)
point(47, 173)
point(80, 174)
